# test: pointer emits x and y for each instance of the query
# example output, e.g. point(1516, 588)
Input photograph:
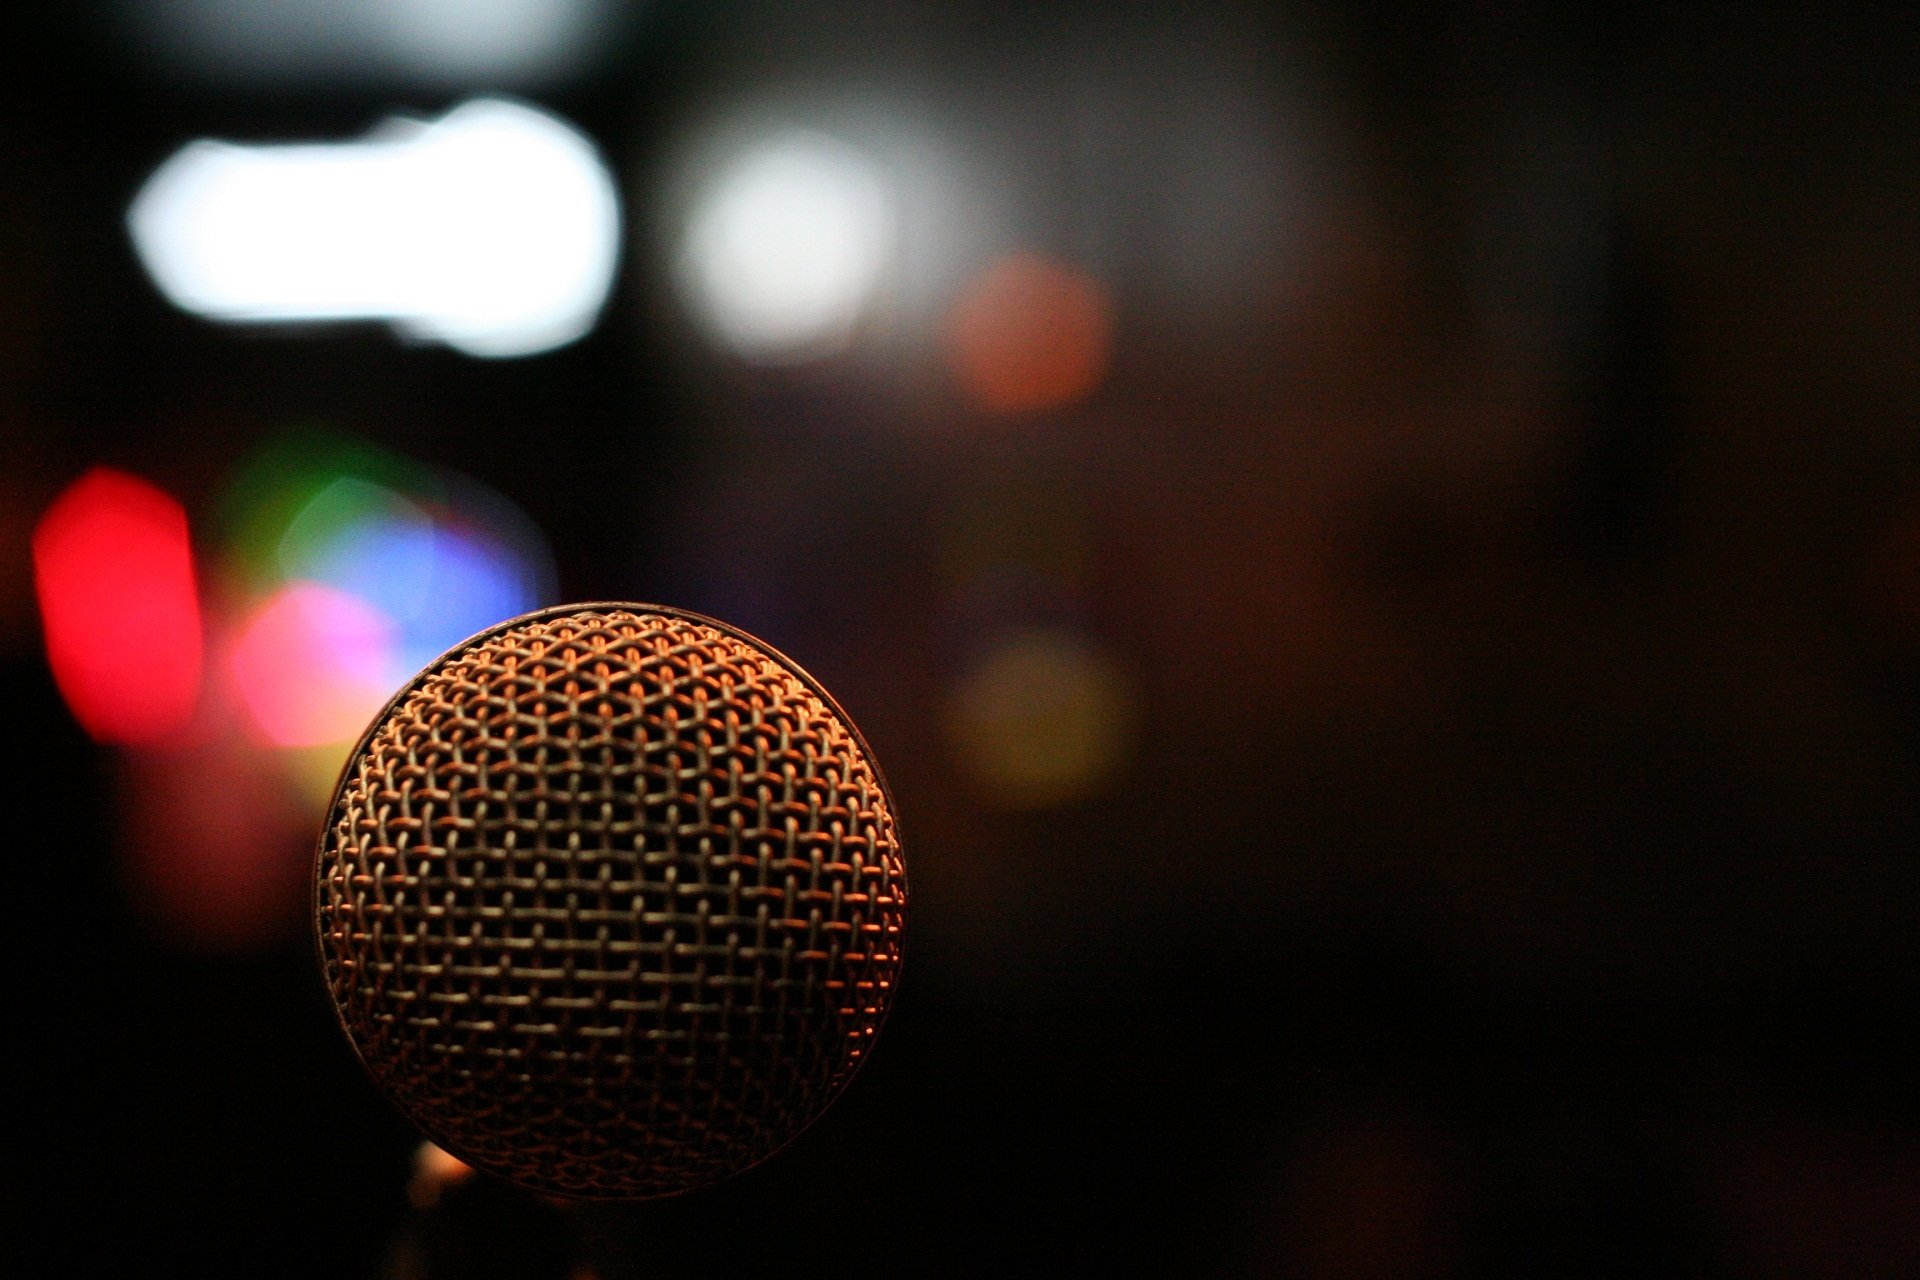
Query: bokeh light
point(1043, 717)
point(1030, 334)
point(113, 567)
point(439, 580)
point(786, 247)
point(313, 665)
point(341, 569)
point(278, 482)
point(216, 850)
point(435, 1170)
point(493, 230)
point(403, 41)
point(358, 567)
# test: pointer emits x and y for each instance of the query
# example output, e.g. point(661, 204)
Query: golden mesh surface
point(611, 902)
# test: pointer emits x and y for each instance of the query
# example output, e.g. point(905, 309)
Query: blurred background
point(1378, 546)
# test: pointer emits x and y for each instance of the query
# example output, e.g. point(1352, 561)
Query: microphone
point(610, 901)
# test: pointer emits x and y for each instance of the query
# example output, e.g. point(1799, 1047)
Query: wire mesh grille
point(611, 902)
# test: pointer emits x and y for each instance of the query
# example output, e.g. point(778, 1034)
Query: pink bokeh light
point(313, 665)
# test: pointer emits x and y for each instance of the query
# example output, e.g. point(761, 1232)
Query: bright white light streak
point(786, 247)
point(494, 230)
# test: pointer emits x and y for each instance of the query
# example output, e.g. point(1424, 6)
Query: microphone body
point(610, 900)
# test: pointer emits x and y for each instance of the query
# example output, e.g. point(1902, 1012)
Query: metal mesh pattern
point(610, 901)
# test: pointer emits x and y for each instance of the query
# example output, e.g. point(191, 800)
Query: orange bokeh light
point(1030, 334)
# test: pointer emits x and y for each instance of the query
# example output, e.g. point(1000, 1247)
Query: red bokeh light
point(113, 569)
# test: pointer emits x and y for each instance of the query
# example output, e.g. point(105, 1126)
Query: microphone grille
point(610, 901)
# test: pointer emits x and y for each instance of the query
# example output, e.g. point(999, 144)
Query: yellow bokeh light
point(1043, 719)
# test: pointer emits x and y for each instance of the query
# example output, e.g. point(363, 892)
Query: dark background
point(1509, 538)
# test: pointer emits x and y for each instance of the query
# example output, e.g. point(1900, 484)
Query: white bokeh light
point(494, 230)
point(437, 42)
point(785, 248)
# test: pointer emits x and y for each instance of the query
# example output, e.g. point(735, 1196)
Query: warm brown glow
point(434, 1170)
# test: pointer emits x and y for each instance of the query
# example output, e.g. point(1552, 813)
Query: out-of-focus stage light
point(785, 248)
point(1030, 334)
point(362, 567)
point(440, 580)
point(211, 838)
point(341, 569)
point(493, 230)
point(435, 1170)
point(1043, 717)
point(313, 665)
point(457, 42)
point(275, 486)
point(113, 570)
